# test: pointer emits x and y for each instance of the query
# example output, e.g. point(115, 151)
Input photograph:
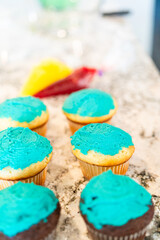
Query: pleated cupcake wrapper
point(75, 126)
point(90, 170)
point(38, 179)
point(51, 236)
point(100, 236)
point(41, 130)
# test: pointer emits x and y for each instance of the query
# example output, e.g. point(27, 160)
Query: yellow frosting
point(44, 75)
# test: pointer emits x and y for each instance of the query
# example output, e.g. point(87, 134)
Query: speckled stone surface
point(131, 78)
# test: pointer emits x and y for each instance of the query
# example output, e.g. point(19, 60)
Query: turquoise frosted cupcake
point(24, 112)
point(116, 207)
point(27, 212)
point(24, 156)
point(100, 147)
point(89, 106)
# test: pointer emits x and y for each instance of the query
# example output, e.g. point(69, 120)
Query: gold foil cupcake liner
point(74, 126)
point(100, 236)
point(41, 130)
point(38, 179)
point(91, 170)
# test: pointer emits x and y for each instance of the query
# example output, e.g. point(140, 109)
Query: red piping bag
point(79, 79)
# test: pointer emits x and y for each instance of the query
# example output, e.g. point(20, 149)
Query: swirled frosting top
point(20, 147)
point(23, 205)
point(101, 138)
point(22, 109)
point(89, 103)
point(110, 199)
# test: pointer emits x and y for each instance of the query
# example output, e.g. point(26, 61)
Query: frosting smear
point(20, 147)
point(110, 199)
point(23, 205)
point(22, 109)
point(102, 138)
point(89, 103)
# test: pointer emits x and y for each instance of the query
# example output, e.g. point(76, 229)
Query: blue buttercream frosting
point(23, 205)
point(110, 199)
point(22, 109)
point(20, 147)
point(101, 138)
point(89, 103)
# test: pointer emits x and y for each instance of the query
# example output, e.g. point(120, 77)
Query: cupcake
point(24, 156)
point(115, 207)
point(24, 112)
point(88, 106)
point(28, 212)
point(100, 147)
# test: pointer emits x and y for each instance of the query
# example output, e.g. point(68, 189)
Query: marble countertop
point(106, 43)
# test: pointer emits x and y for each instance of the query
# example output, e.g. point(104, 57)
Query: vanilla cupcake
point(88, 106)
point(24, 112)
point(100, 147)
point(24, 156)
point(28, 212)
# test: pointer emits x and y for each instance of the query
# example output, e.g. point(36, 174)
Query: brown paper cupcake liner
point(96, 235)
point(74, 126)
point(38, 179)
point(41, 130)
point(51, 236)
point(90, 170)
